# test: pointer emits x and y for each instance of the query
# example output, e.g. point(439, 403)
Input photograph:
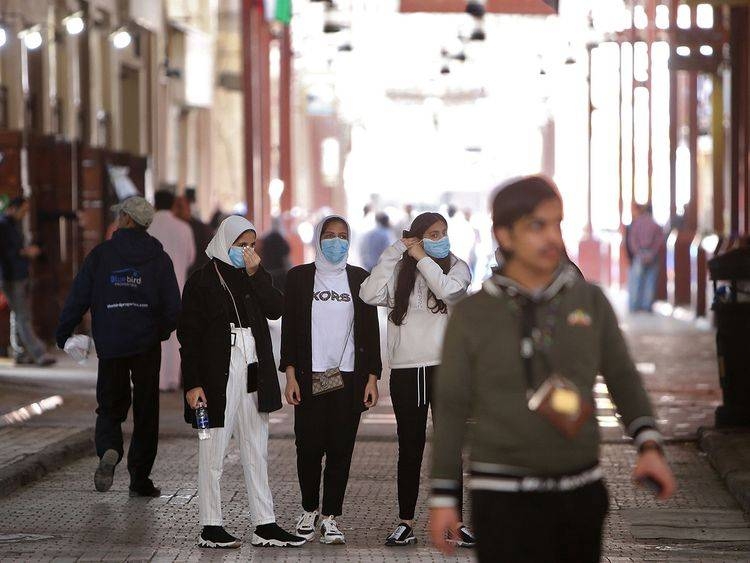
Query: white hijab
point(228, 231)
point(321, 262)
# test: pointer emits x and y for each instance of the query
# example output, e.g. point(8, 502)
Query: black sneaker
point(465, 538)
point(145, 489)
point(105, 473)
point(24, 360)
point(402, 535)
point(217, 537)
point(46, 361)
point(272, 535)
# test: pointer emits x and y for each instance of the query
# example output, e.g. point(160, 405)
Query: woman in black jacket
point(228, 365)
point(330, 351)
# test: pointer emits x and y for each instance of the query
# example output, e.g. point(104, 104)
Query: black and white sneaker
point(465, 537)
point(402, 535)
point(105, 472)
point(272, 535)
point(330, 533)
point(217, 537)
point(306, 525)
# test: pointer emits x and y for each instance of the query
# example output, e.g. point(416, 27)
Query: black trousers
point(326, 425)
point(545, 527)
point(113, 397)
point(411, 394)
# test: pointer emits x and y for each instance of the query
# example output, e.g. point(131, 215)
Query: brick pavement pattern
point(62, 518)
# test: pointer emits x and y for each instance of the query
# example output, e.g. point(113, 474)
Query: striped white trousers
point(250, 427)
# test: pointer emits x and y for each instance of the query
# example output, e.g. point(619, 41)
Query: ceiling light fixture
point(478, 34)
point(31, 37)
point(475, 8)
point(333, 22)
point(74, 23)
point(121, 38)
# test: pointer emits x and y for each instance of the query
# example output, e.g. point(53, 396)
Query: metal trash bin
point(730, 273)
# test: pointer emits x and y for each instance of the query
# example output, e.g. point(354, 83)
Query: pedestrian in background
point(645, 239)
point(520, 360)
point(418, 279)
point(228, 366)
point(15, 257)
point(330, 352)
point(275, 251)
point(463, 236)
point(130, 287)
point(176, 237)
point(405, 221)
point(374, 242)
point(202, 233)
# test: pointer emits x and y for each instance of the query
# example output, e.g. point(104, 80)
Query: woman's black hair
point(407, 274)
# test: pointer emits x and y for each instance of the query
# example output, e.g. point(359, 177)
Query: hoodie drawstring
point(421, 386)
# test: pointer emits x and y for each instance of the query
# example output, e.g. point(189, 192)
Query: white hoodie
point(418, 342)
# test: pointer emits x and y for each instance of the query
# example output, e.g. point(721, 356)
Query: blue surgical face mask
point(437, 248)
point(236, 257)
point(334, 249)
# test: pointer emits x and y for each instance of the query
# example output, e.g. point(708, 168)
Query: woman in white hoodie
point(330, 352)
point(418, 279)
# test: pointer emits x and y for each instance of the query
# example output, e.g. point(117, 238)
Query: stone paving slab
point(112, 526)
point(55, 448)
point(729, 452)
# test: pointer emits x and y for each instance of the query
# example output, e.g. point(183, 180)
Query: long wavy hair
point(407, 274)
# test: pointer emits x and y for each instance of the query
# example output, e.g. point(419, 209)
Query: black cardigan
point(205, 342)
point(296, 331)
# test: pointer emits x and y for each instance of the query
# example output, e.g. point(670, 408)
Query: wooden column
point(285, 119)
point(264, 47)
point(739, 123)
point(589, 185)
point(650, 37)
point(593, 255)
point(719, 145)
point(250, 20)
point(624, 260)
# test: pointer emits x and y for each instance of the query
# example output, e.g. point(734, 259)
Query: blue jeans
point(642, 280)
point(17, 294)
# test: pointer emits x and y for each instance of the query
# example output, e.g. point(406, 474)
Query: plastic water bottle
point(201, 421)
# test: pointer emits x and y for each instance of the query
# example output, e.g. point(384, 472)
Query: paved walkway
point(61, 516)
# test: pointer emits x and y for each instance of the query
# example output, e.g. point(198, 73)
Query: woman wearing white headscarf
point(330, 352)
point(228, 365)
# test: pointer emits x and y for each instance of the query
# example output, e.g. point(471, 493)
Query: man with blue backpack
point(130, 287)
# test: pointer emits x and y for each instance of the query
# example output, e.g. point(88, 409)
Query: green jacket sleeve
point(622, 377)
point(453, 392)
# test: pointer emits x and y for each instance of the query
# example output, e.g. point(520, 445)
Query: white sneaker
point(330, 533)
point(306, 524)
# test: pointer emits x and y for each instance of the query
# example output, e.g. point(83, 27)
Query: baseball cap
point(140, 210)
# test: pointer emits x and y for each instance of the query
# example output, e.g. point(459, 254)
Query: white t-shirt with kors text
point(332, 317)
